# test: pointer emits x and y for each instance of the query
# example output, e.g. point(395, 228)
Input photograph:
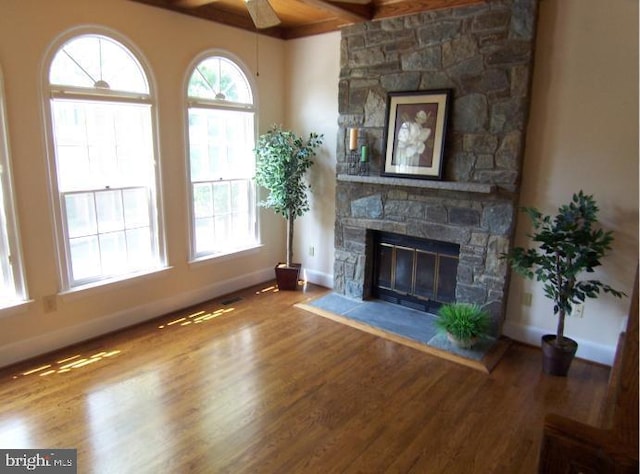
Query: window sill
point(15, 308)
point(221, 257)
point(111, 284)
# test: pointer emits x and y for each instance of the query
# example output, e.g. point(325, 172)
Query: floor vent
point(231, 301)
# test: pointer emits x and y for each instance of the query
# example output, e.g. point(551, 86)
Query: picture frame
point(416, 124)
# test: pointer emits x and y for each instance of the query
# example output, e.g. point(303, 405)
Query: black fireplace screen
point(418, 273)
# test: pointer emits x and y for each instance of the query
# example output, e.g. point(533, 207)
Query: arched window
point(221, 114)
point(12, 287)
point(104, 174)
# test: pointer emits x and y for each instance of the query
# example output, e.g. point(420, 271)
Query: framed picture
point(415, 132)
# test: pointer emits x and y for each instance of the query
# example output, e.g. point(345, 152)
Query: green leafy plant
point(283, 158)
point(568, 245)
point(463, 321)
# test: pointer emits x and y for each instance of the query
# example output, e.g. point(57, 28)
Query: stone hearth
point(484, 55)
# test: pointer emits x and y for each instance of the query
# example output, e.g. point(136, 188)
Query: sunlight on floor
point(195, 318)
point(78, 361)
point(67, 364)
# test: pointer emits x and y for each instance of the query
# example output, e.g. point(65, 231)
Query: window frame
point(56, 91)
point(202, 103)
point(15, 259)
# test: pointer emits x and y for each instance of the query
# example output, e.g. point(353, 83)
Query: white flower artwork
point(412, 139)
point(415, 134)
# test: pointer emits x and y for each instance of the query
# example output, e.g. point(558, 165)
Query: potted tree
point(464, 323)
point(283, 158)
point(568, 244)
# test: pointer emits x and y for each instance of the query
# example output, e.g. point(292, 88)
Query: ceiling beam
point(352, 13)
point(389, 10)
point(311, 29)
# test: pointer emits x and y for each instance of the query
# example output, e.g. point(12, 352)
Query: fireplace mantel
point(481, 188)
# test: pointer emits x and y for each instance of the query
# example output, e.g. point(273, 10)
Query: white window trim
point(194, 102)
point(49, 92)
point(13, 229)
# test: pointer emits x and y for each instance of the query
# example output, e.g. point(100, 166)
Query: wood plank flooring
point(259, 386)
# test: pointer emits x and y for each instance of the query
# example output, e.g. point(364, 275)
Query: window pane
point(85, 258)
point(110, 215)
point(140, 248)
point(73, 166)
point(70, 123)
point(204, 236)
point(221, 196)
point(88, 59)
point(120, 69)
point(136, 207)
point(202, 200)
point(113, 250)
point(240, 196)
point(215, 76)
point(240, 228)
point(226, 137)
point(81, 215)
point(117, 140)
point(222, 228)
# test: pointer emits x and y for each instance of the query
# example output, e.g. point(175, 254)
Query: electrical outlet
point(312, 251)
point(526, 299)
point(50, 303)
point(577, 311)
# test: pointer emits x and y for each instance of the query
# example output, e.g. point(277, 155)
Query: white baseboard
point(318, 278)
point(43, 343)
point(586, 349)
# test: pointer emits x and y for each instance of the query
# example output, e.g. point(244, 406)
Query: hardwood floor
point(259, 386)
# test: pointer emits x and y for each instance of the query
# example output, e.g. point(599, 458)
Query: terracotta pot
point(287, 277)
point(556, 360)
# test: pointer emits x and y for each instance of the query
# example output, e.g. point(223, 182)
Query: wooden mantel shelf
point(420, 183)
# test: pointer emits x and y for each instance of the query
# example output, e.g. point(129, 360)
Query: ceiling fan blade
point(192, 3)
point(262, 13)
point(356, 2)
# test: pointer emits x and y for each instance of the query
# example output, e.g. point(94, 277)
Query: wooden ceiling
point(300, 18)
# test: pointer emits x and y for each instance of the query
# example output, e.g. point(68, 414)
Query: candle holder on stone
point(352, 154)
point(358, 154)
point(353, 162)
point(363, 155)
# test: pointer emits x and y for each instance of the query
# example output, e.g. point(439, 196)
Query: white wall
point(169, 42)
point(583, 134)
point(312, 72)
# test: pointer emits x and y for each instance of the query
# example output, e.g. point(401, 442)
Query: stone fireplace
point(482, 53)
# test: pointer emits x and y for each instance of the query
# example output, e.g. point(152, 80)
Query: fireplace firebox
point(413, 272)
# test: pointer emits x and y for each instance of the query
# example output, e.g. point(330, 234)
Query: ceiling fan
point(261, 11)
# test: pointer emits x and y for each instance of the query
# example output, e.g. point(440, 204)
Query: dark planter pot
point(287, 277)
point(556, 360)
point(462, 343)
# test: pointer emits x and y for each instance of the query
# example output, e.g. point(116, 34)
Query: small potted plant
point(568, 244)
point(283, 158)
point(464, 323)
